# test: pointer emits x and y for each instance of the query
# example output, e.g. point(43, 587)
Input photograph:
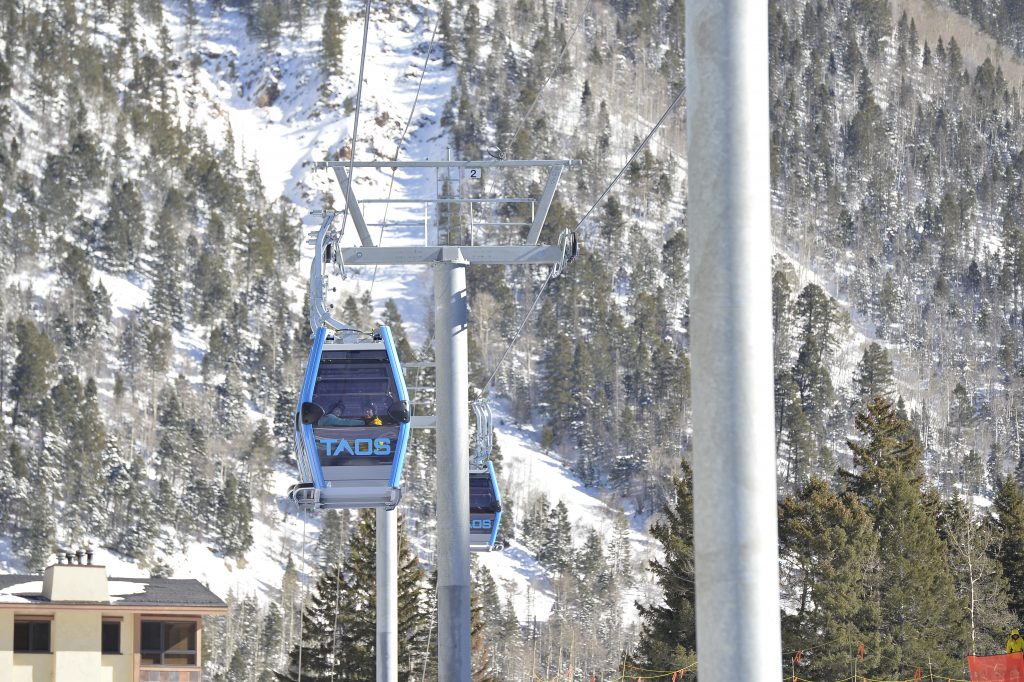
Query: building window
point(111, 636)
point(168, 643)
point(32, 636)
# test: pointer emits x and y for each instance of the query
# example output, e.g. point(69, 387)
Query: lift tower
point(450, 252)
point(735, 535)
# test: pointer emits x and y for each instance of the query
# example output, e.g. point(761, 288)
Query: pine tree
point(168, 272)
point(828, 549)
point(1007, 521)
point(82, 436)
point(587, 403)
point(358, 312)
point(782, 317)
point(173, 461)
point(339, 623)
point(32, 374)
point(471, 35)
point(37, 535)
point(357, 635)
point(481, 663)
point(816, 315)
point(316, 651)
point(668, 635)
point(290, 606)
point(213, 286)
point(234, 519)
point(921, 615)
point(131, 351)
point(332, 542)
point(535, 523)
point(874, 374)
point(264, 21)
point(123, 231)
point(331, 42)
point(76, 168)
point(270, 642)
point(555, 550)
point(258, 456)
point(413, 618)
point(231, 399)
point(446, 32)
point(158, 344)
point(814, 381)
point(82, 308)
point(393, 319)
point(558, 380)
point(133, 526)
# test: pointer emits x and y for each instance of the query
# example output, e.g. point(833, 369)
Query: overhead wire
point(401, 139)
point(815, 647)
point(355, 116)
point(655, 670)
point(636, 152)
point(426, 653)
point(625, 676)
point(522, 121)
point(515, 337)
point(359, 95)
point(659, 674)
point(337, 609)
point(557, 62)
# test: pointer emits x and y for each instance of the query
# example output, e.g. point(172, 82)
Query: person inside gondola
point(370, 417)
point(334, 418)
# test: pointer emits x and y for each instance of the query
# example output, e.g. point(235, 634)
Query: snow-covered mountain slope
point(403, 93)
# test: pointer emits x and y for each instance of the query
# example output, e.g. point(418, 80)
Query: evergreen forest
point(153, 327)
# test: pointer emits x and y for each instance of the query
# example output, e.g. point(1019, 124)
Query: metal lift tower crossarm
point(554, 168)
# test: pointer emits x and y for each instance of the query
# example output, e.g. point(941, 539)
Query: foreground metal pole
point(450, 318)
point(735, 535)
point(387, 595)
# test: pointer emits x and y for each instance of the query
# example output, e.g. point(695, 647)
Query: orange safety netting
point(1002, 668)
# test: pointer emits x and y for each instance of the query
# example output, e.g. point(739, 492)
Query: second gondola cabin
point(351, 424)
point(484, 509)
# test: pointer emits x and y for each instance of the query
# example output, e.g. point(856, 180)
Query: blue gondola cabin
point(484, 510)
point(351, 424)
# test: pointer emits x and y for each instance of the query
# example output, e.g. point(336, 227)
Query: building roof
point(139, 592)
